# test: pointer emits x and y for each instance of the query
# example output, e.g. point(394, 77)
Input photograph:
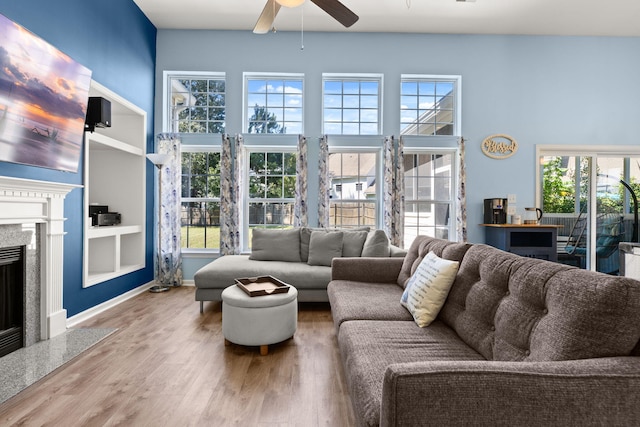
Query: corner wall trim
point(94, 311)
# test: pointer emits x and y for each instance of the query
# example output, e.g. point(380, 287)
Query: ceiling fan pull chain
point(302, 28)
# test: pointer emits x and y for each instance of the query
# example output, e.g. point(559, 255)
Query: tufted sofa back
point(509, 307)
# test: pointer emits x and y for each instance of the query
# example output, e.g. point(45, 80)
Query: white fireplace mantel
point(27, 201)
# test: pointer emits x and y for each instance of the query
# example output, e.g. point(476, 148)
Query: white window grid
point(429, 105)
point(352, 104)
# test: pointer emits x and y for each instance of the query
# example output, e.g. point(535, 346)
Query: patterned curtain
point(324, 184)
point(230, 198)
point(461, 216)
point(300, 218)
point(169, 263)
point(393, 190)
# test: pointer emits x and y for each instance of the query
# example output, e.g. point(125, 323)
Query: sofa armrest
point(603, 391)
point(367, 269)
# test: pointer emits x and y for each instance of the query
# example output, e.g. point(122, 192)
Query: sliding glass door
point(592, 198)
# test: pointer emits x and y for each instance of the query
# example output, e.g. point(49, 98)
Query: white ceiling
point(543, 17)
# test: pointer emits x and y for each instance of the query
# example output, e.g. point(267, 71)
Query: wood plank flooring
point(167, 365)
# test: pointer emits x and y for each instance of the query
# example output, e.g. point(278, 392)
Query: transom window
point(271, 190)
point(429, 183)
point(274, 104)
point(351, 105)
point(429, 106)
point(196, 104)
point(200, 215)
point(353, 200)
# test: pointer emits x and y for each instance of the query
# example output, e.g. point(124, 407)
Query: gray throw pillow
point(275, 245)
point(353, 242)
point(376, 245)
point(323, 247)
point(305, 236)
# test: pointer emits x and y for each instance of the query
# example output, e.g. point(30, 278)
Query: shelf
point(115, 175)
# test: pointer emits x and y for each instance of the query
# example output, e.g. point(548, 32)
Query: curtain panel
point(169, 260)
point(324, 184)
point(393, 190)
point(230, 195)
point(300, 218)
point(461, 215)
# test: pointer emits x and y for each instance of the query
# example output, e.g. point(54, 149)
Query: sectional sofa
point(518, 342)
point(298, 256)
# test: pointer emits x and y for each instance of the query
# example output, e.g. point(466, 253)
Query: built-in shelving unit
point(114, 175)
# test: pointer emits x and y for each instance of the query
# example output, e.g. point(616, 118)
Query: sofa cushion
point(221, 272)
point(365, 301)
point(421, 246)
point(428, 288)
point(509, 307)
point(368, 347)
point(305, 237)
point(323, 247)
point(376, 245)
point(275, 245)
point(353, 243)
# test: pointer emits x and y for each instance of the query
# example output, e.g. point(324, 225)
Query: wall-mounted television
point(43, 101)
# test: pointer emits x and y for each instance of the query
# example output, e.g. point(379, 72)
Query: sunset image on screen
point(43, 101)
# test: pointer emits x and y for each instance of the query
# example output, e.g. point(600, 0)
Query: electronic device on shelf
point(100, 216)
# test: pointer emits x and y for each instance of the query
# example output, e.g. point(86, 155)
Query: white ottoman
point(258, 321)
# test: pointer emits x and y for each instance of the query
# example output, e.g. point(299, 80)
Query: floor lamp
point(159, 160)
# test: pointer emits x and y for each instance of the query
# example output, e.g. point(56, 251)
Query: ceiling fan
point(333, 7)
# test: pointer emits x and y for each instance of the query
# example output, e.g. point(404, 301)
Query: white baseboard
point(93, 311)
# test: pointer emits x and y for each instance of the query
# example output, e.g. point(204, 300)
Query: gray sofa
point(300, 257)
point(519, 341)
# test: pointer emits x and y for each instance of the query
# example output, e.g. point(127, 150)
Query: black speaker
point(98, 113)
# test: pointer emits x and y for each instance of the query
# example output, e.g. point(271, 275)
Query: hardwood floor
point(167, 365)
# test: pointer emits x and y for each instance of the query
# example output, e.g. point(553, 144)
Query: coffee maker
point(495, 211)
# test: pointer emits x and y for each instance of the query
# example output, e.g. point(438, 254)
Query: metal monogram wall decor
point(499, 146)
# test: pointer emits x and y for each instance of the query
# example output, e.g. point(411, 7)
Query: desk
point(530, 240)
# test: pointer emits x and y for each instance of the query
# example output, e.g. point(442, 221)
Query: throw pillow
point(323, 247)
point(275, 245)
point(353, 242)
point(305, 236)
point(376, 245)
point(427, 289)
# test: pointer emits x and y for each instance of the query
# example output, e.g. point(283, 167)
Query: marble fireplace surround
point(24, 202)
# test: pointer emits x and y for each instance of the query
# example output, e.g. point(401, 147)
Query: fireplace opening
point(12, 284)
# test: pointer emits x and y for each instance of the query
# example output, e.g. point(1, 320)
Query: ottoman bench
point(258, 321)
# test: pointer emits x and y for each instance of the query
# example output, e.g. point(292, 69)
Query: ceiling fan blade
point(338, 11)
point(268, 15)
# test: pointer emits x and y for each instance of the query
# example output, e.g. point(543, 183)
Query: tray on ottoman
point(262, 285)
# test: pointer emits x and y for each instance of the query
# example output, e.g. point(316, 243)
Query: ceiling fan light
point(290, 3)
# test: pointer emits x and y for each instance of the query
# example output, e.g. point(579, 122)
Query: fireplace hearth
point(12, 289)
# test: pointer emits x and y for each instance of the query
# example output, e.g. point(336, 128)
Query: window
point(429, 205)
point(272, 187)
point(429, 105)
point(351, 105)
point(196, 104)
point(200, 216)
point(353, 189)
point(274, 104)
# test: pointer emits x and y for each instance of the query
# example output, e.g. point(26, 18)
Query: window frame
point(457, 110)
point(355, 77)
point(169, 75)
point(453, 202)
point(199, 149)
point(246, 76)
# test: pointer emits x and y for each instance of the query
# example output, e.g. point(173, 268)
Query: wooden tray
point(262, 285)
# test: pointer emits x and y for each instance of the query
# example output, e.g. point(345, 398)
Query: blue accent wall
point(118, 43)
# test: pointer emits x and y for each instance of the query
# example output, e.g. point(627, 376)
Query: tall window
point(351, 105)
point(274, 104)
point(272, 186)
point(429, 105)
point(196, 104)
point(200, 199)
point(353, 189)
point(429, 205)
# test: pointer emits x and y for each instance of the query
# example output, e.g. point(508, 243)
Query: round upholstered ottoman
point(258, 321)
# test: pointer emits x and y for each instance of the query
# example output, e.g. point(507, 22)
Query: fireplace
point(32, 218)
point(12, 289)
